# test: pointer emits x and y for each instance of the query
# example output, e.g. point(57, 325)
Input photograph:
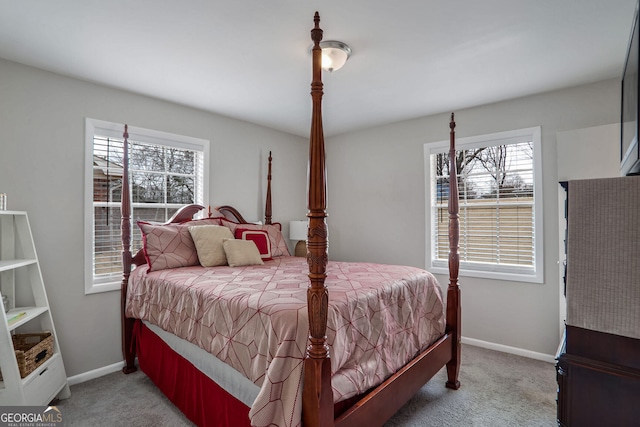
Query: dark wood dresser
point(598, 364)
point(598, 379)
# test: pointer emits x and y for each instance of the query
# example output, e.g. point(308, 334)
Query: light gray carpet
point(497, 389)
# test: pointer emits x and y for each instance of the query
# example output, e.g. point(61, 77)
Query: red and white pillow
point(278, 244)
point(259, 237)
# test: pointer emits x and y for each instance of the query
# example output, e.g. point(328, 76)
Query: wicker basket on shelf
point(32, 350)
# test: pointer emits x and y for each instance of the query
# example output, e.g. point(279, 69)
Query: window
point(500, 186)
point(166, 172)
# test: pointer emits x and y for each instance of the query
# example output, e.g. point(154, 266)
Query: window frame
point(138, 134)
point(534, 274)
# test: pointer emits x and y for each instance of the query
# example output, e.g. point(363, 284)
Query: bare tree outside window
point(496, 209)
point(162, 180)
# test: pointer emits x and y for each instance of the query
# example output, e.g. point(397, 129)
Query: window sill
point(494, 275)
point(96, 288)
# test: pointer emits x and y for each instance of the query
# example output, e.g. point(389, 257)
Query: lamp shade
point(298, 230)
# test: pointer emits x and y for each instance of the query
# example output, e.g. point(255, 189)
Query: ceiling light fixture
point(334, 54)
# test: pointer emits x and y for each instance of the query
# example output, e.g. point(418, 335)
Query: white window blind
point(500, 205)
point(163, 175)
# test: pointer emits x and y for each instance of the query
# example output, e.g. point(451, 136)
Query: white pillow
point(241, 252)
point(208, 241)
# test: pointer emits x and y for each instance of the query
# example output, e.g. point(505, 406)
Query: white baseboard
point(512, 350)
point(96, 373)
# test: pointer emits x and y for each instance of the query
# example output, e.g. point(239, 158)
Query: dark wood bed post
point(317, 400)
point(453, 292)
point(125, 209)
point(267, 207)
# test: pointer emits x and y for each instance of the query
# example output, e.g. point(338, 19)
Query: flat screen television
point(629, 147)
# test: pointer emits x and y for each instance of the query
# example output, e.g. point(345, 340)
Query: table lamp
point(298, 232)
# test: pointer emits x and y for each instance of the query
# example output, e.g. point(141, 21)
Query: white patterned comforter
point(255, 319)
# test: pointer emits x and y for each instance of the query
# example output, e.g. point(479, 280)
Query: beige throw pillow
point(208, 241)
point(241, 252)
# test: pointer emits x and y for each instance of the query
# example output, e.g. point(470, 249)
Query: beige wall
point(377, 204)
point(42, 170)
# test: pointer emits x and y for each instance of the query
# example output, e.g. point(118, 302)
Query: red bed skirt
point(202, 400)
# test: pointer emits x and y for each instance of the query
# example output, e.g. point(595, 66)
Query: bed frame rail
point(386, 399)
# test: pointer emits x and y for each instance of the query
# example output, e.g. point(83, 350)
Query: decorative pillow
point(208, 243)
point(241, 252)
point(167, 246)
point(278, 244)
point(259, 237)
point(202, 221)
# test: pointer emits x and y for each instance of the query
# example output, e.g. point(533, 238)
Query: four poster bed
point(283, 340)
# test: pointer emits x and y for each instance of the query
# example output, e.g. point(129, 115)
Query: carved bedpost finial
point(317, 400)
point(317, 256)
point(454, 260)
point(126, 203)
point(267, 207)
point(316, 32)
point(125, 230)
point(453, 291)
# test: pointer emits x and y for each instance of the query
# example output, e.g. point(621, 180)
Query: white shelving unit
point(21, 282)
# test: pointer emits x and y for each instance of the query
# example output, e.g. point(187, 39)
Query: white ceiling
point(249, 59)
